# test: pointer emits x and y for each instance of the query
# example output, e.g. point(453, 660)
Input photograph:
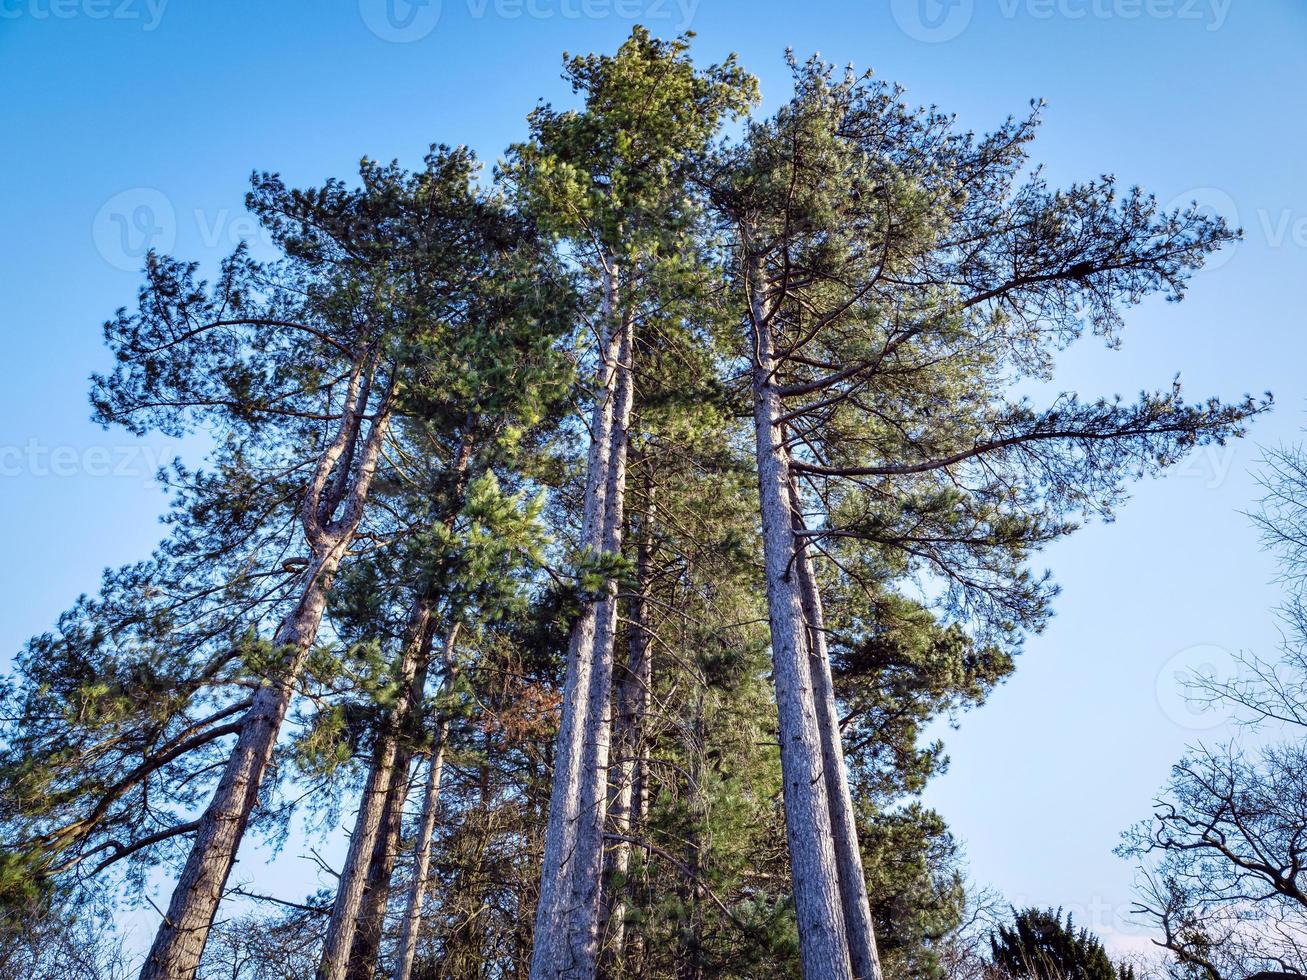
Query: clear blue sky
point(127, 118)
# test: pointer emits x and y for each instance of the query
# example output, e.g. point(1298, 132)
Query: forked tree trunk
point(550, 954)
point(863, 954)
point(588, 865)
point(179, 943)
point(417, 891)
point(823, 943)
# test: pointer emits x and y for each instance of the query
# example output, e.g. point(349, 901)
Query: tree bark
point(409, 930)
point(550, 954)
point(366, 953)
point(823, 946)
point(179, 943)
point(370, 859)
point(588, 864)
point(863, 954)
point(633, 699)
point(342, 927)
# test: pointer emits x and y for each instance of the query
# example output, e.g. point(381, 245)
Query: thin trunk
point(179, 943)
point(363, 958)
point(342, 926)
point(823, 946)
point(592, 817)
point(365, 861)
point(635, 945)
point(629, 745)
point(690, 961)
point(853, 882)
point(408, 937)
point(549, 953)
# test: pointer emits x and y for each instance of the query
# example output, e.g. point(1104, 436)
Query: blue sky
point(124, 120)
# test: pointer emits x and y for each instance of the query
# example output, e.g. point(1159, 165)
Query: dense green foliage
point(1041, 945)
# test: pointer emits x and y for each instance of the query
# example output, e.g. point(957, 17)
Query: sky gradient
point(132, 121)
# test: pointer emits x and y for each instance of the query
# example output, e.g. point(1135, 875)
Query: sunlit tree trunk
point(370, 847)
point(377, 792)
point(551, 951)
point(629, 746)
point(823, 943)
point(179, 943)
point(592, 817)
point(364, 956)
point(853, 882)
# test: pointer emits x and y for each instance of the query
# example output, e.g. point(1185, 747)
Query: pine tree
point(612, 180)
point(1040, 945)
point(894, 280)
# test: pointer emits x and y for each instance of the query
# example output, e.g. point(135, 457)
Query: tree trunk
point(182, 935)
point(592, 817)
point(689, 961)
point(629, 744)
point(853, 882)
point(364, 956)
point(179, 943)
point(341, 928)
point(823, 946)
point(408, 937)
point(550, 954)
point(364, 885)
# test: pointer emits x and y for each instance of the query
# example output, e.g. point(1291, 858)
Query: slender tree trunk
point(179, 943)
point(364, 956)
point(635, 944)
point(364, 886)
point(588, 863)
point(550, 954)
point(343, 924)
point(690, 960)
point(629, 745)
point(409, 930)
point(823, 946)
point(853, 882)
